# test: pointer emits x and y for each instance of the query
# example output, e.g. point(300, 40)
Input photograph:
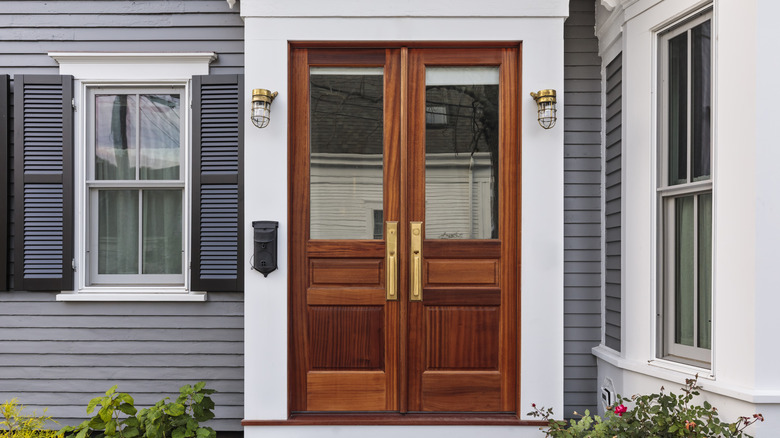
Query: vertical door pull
point(416, 260)
point(391, 260)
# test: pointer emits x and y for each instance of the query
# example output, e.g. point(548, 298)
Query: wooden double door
point(404, 186)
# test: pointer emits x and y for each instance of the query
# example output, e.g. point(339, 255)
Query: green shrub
point(16, 425)
point(658, 415)
point(178, 419)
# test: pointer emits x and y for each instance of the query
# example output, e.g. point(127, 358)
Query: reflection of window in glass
point(461, 153)
point(346, 141)
point(686, 191)
point(436, 116)
point(136, 187)
point(379, 222)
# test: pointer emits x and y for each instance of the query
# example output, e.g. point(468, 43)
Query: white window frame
point(93, 278)
point(667, 194)
point(136, 71)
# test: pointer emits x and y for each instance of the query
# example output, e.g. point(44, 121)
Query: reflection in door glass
point(346, 152)
point(461, 153)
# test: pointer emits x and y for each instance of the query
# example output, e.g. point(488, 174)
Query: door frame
point(297, 240)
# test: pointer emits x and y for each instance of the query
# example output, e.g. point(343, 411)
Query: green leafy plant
point(118, 417)
point(14, 424)
point(659, 415)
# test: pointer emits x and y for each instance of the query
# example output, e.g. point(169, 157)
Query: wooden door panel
point(346, 337)
point(462, 272)
point(449, 391)
point(462, 337)
point(356, 391)
point(346, 272)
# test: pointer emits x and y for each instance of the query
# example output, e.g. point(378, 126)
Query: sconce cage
point(547, 113)
point(261, 106)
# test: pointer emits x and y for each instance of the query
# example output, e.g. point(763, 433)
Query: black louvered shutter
point(217, 187)
point(43, 182)
point(4, 182)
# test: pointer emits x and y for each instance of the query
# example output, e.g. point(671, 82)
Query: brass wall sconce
point(261, 106)
point(547, 114)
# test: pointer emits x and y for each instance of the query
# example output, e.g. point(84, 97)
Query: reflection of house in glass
point(119, 135)
point(347, 153)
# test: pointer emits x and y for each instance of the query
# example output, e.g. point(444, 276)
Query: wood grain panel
point(346, 337)
point(346, 272)
point(347, 57)
point(461, 391)
point(461, 338)
point(358, 391)
point(345, 297)
point(447, 296)
point(352, 248)
point(482, 272)
point(462, 249)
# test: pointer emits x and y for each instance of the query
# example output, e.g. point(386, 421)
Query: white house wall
point(269, 26)
point(744, 377)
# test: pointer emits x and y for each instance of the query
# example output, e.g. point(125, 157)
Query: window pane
point(678, 109)
point(115, 136)
point(704, 317)
point(117, 232)
point(461, 153)
point(347, 108)
point(684, 271)
point(162, 232)
point(160, 136)
point(701, 62)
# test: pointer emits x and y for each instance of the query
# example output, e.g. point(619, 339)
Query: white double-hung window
point(685, 191)
point(135, 186)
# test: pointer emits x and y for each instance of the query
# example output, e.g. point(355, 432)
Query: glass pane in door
point(461, 152)
point(346, 123)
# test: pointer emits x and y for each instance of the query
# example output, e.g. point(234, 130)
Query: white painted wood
point(404, 8)
point(269, 26)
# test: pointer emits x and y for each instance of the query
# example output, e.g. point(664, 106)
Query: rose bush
point(658, 415)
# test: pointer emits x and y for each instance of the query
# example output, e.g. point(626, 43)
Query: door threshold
point(397, 419)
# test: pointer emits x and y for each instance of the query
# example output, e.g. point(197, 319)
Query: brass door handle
point(391, 260)
point(416, 261)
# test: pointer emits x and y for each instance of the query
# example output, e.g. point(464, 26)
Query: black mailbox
point(264, 259)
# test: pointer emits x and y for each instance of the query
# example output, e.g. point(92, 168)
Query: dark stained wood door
point(404, 321)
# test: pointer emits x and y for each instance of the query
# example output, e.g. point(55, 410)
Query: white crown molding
point(404, 8)
point(132, 57)
point(610, 4)
point(134, 65)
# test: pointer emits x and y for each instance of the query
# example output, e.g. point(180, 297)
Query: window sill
point(136, 296)
point(674, 372)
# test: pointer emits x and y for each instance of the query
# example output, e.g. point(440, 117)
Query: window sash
point(698, 292)
point(139, 183)
point(685, 192)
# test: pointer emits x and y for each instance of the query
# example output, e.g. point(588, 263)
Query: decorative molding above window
point(133, 65)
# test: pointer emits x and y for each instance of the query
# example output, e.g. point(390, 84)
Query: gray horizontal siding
point(582, 207)
point(612, 201)
point(31, 29)
point(59, 355)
